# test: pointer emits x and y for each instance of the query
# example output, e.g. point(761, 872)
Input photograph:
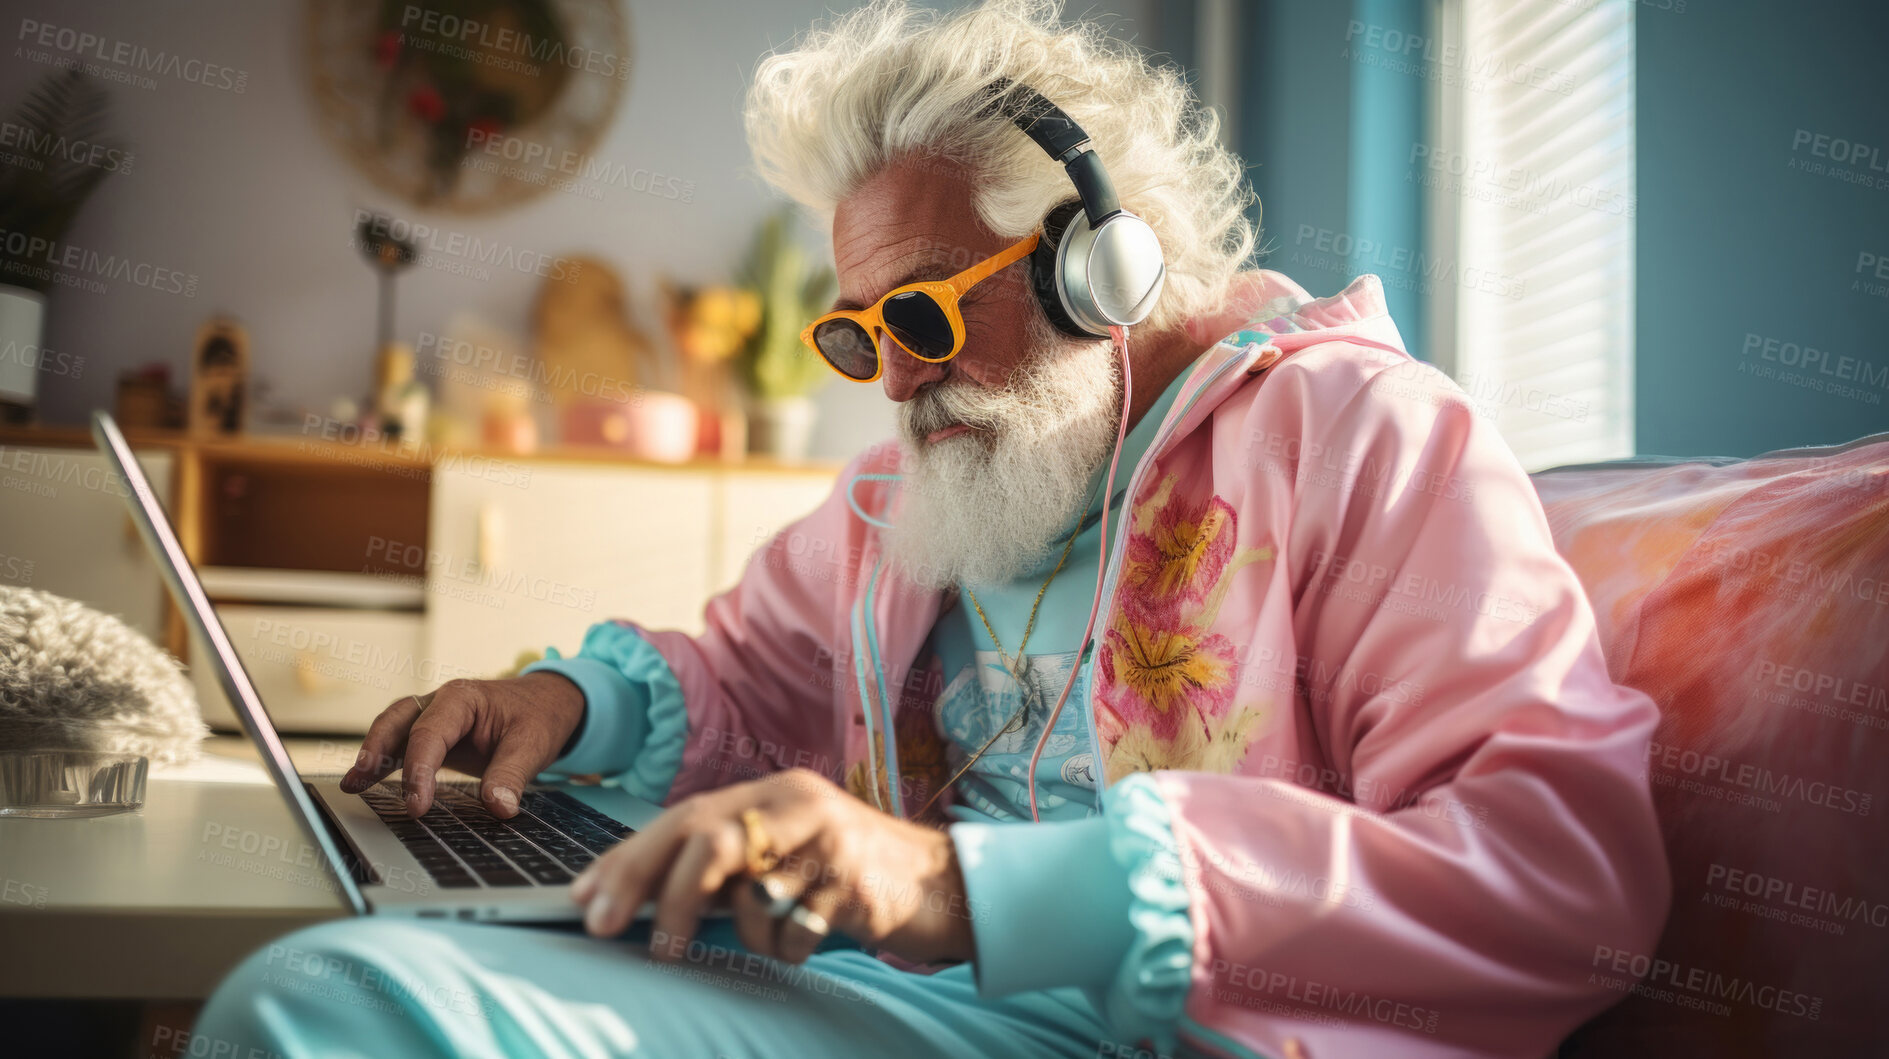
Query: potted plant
point(40, 194)
point(780, 372)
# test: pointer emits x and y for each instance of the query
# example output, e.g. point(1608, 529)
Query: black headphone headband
point(1062, 139)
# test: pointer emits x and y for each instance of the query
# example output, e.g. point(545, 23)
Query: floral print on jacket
point(1166, 685)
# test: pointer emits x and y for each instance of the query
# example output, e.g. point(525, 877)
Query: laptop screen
point(155, 527)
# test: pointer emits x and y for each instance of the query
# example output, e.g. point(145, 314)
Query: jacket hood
point(1266, 317)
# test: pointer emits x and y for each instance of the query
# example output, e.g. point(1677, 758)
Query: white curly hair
point(892, 82)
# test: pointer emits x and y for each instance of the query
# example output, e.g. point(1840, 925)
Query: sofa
point(1750, 599)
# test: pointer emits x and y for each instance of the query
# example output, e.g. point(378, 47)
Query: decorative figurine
point(219, 378)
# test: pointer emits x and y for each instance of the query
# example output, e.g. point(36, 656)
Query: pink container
point(652, 425)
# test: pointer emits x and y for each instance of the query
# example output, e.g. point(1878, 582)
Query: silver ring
point(810, 921)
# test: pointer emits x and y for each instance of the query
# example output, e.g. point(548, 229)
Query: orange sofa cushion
point(1750, 599)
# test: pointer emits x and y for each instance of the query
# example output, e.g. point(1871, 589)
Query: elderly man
point(1319, 758)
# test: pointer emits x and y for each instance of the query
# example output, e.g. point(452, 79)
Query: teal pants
point(388, 987)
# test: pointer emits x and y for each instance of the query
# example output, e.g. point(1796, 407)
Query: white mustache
point(1029, 401)
point(948, 405)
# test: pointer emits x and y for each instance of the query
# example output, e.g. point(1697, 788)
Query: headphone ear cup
point(1045, 277)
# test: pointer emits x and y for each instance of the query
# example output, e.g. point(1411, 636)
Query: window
point(1529, 184)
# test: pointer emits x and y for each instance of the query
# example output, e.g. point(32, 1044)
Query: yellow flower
point(1183, 553)
point(1165, 684)
point(1164, 678)
point(1228, 740)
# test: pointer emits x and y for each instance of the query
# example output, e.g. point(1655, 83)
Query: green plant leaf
point(40, 201)
point(775, 363)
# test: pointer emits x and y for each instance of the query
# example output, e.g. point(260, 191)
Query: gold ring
point(761, 855)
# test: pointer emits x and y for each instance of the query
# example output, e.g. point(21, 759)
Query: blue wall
point(1326, 125)
point(1750, 253)
point(1744, 243)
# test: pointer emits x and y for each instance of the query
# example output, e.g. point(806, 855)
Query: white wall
point(243, 192)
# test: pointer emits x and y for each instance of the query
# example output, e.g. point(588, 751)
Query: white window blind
point(1530, 189)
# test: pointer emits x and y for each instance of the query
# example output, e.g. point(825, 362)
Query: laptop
point(458, 861)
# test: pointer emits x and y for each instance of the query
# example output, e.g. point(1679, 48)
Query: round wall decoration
point(468, 106)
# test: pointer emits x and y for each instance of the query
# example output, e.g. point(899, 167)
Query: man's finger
point(707, 859)
point(444, 722)
point(514, 761)
point(804, 929)
point(615, 885)
point(756, 904)
point(381, 748)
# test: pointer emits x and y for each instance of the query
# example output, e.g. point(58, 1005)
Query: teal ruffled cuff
point(1096, 903)
point(635, 724)
point(614, 724)
point(1148, 993)
point(1049, 906)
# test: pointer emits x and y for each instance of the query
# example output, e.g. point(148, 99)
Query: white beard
point(985, 507)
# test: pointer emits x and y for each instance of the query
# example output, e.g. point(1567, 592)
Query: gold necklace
point(1024, 691)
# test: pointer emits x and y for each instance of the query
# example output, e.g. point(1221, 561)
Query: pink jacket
point(1411, 807)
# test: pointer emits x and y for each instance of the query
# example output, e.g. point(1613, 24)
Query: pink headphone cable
point(1120, 335)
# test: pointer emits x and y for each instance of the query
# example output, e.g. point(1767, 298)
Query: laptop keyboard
point(461, 845)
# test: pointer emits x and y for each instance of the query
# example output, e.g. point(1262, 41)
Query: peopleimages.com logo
point(127, 60)
point(40, 144)
point(535, 162)
point(36, 256)
point(480, 41)
point(439, 244)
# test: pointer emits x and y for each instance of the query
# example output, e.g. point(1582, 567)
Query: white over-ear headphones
point(1097, 265)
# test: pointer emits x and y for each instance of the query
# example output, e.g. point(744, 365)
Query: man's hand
point(504, 730)
point(875, 878)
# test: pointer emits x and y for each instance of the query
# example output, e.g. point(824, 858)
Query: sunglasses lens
point(919, 324)
point(847, 347)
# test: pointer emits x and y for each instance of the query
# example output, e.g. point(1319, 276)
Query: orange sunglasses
point(923, 318)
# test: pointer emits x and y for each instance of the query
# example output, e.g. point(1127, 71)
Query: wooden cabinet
point(513, 566)
point(320, 669)
point(755, 505)
point(348, 577)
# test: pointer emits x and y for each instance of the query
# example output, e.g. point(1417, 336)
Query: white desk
point(160, 903)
